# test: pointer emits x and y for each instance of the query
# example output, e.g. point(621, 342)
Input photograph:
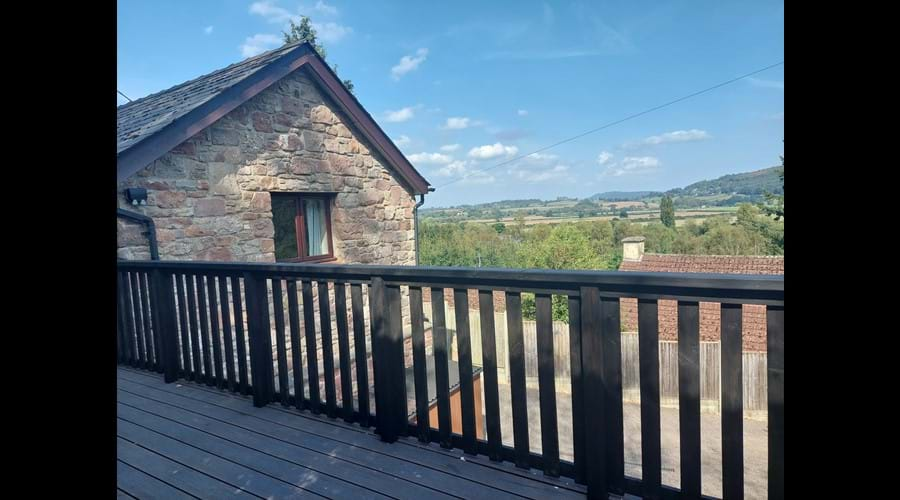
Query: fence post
point(260, 337)
point(387, 361)
point(164, 321)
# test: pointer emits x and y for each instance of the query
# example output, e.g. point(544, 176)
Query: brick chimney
point(633, 248)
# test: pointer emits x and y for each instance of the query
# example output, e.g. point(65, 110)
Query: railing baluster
point(648, 352)
point(128, 317)
point(518, 394)
point(165, 324)
point(197, 373)
point(576, 374)
point(466, 386)
point(283, 390)
point(547, 385)
point(239, 334)
point(150, 334)
point(775, 380)
point(120, 321)
point(362, 363)
point(387, 357)
point(732, 403)
point(146, 338)
point(208, 376)
point(327, 349)
point(689, 397)
point(226, 332)
point(312, 363)
point(214, 331)
point(420, 366)
point(260, 339)
point(182, 321)
point(296, 356)
point(611, 332)
point(441, 366)
point(489, 356)
point(594, 394)
point(340, 318)
point(135, 283)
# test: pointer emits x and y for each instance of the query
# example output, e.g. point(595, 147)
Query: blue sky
point(463, 86)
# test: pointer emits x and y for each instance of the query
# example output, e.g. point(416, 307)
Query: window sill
point(310, 260)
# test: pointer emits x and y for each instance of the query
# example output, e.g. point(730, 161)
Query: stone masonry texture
point(210, 196)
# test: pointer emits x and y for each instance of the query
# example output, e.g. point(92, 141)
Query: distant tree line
point(592, 244)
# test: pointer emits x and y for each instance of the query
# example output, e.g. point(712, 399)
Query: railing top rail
point(749, 289)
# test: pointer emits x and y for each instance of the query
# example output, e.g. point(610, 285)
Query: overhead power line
point(610, 124)
point(123, 95)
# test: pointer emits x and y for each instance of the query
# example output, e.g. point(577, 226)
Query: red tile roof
point(754, 316)
point(727, 264)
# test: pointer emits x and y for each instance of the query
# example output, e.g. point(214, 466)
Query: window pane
point(284, 212)
point(316, 230)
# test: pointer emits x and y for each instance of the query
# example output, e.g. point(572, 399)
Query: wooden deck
point(184, 440)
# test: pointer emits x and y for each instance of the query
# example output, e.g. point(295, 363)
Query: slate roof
point(726, 264)
point(141, 118)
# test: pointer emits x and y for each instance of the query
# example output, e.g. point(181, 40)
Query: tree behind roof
point(304, 32)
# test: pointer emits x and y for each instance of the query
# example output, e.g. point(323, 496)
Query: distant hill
point(755, 183)
point(624, 195)
point(726, 191)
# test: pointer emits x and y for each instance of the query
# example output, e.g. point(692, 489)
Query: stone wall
point(210, 196)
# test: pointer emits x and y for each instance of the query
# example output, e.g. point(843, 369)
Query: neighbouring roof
point(151, 126)
point(724, 264)
point(633, 239)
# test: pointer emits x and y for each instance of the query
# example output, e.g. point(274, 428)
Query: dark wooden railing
point(212, 323)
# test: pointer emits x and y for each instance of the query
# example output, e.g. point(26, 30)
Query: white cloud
point(331, 32)
point(457, 123)
point(449, 148)
point(430, 158)
point(541, 156)
point(489, 151)
point(326, 9)
point(328, 32)
point(400, 115)
point(271, 12)
point(259, 43)
point(522, 112)
point(458, 167)
point(208, 30)
point(465, 171)
point(677, 136)
point(633, 165)
point(408, 63)
point(604, 157)
point(402, 141)
point(768, 84)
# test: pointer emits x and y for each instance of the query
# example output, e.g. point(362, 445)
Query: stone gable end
point(210, 196)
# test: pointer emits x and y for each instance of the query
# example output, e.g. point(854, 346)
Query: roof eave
point(144, 152)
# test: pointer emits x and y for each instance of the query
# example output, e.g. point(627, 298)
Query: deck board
point(142, 485)
point(300, 454)
point(172, 472)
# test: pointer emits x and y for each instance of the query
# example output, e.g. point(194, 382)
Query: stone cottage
point(270, 159)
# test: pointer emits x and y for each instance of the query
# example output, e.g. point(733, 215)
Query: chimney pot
point(633, 248)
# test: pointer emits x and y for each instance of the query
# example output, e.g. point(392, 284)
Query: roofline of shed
point(133, 159)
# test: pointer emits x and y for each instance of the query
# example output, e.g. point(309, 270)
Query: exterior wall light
point(136, 196)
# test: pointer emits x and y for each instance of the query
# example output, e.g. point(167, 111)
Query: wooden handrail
point(179, 325)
